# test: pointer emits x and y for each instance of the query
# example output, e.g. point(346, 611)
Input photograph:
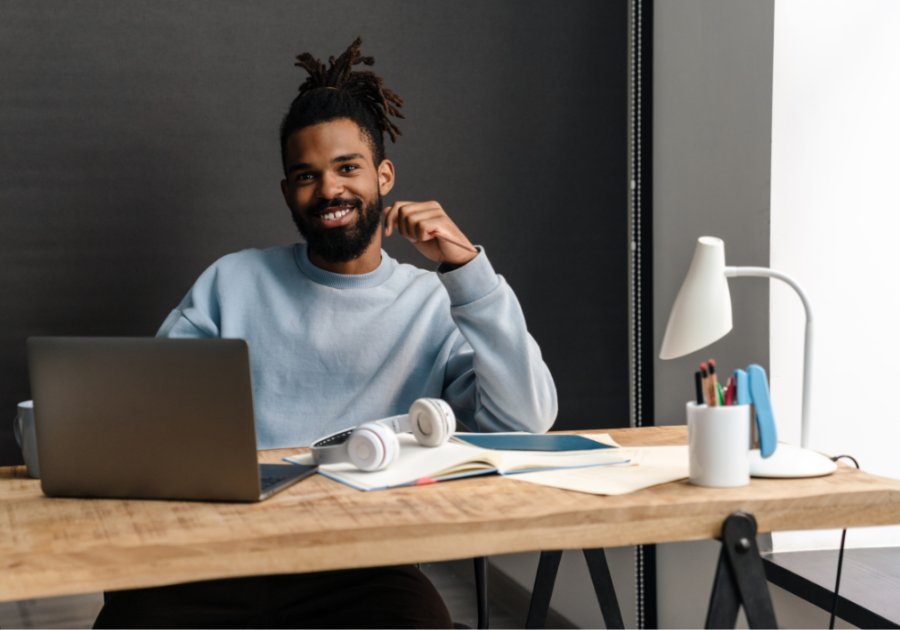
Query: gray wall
point(138, 143)
point(712, 125)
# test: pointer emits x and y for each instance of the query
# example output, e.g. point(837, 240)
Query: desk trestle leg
point(481, 591)
point(603, 587)
point(546, 579)
point(740, 578)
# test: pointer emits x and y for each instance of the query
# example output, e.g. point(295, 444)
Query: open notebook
point(419, 464)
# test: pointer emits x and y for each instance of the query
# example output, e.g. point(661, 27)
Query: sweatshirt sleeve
point(496, 366)
point(198, 313)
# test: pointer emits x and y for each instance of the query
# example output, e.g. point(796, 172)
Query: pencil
point(713, 383)
point(698, 384)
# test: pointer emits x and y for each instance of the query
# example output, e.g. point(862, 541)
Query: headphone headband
point(332, 449)
point(431, 420)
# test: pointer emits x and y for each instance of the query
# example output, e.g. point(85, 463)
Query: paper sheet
point(650, 466)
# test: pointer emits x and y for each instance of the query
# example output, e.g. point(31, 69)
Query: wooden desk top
point(66, 546)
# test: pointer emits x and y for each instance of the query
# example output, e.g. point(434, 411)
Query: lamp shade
point(702, 310)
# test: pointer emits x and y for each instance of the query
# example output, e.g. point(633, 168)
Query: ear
point(284, 191)
point(385, 176)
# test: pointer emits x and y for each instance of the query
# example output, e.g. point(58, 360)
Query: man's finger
point(390, 217)
point(412, 214)
point(404, 215)
point(426, 222)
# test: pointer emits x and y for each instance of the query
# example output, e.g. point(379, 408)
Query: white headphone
point(374, 445)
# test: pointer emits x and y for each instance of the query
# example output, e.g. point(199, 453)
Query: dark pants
point(382, 597)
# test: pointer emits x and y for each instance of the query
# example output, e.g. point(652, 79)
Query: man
point(340, 333)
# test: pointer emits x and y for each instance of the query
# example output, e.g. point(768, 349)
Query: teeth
point(331, 216)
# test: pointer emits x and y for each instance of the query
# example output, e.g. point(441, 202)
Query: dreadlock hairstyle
point(339, 92)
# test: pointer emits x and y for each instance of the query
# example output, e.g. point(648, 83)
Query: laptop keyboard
point(267, 482)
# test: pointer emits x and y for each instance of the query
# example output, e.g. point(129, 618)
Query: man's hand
point(429, 228)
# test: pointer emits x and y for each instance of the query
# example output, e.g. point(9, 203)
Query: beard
point(345, 243)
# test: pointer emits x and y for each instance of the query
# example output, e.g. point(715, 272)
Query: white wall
point(835, 221)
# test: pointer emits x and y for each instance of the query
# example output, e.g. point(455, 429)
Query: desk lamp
point(702, 314)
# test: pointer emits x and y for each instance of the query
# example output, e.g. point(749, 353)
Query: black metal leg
point(543, 589)
point(724, 602)
point(603, 587)
point(481, 591)
point(740, 578)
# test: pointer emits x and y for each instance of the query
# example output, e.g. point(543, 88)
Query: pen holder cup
point(719, 445)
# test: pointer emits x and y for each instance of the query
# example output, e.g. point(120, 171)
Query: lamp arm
point(765, 272)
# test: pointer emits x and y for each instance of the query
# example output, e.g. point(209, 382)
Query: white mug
point(719, 445)
point(23, 427)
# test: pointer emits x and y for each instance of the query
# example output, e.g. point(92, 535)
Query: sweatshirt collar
point(340, 280)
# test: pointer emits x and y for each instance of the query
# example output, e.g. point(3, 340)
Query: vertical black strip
point(645, 242)
point(642, 268)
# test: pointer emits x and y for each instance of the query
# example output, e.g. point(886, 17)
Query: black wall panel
point(138, 143)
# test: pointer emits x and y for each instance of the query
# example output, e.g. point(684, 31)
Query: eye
point(347, 168)
point(303, 177)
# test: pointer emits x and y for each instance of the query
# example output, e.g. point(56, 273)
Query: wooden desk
point(67, 546)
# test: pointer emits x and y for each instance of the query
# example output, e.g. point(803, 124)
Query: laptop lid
point(147, 418)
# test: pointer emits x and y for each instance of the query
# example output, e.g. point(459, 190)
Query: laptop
point(148, 418)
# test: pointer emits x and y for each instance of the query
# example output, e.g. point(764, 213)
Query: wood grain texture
point(67, 546)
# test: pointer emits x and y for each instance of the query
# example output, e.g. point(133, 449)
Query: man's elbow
point(541, 412)
point(546, 412)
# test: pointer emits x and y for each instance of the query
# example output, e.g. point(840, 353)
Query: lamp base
point(790, 462)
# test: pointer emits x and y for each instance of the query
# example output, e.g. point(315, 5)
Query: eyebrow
point(341, 158)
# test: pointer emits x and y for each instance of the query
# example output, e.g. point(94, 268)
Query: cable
point(837, 582)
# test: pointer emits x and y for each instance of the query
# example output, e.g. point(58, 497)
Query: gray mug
point(26, 437)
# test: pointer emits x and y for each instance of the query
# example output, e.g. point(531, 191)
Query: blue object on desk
point(765, 418)
point(530, 442)
point(743, 387)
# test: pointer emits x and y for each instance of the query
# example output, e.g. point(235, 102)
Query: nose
point(330, 186)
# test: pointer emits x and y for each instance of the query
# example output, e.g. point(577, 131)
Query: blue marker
point(765, 418)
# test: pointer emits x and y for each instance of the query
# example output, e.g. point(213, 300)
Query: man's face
point(334, 189)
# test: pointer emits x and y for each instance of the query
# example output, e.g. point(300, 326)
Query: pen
point(721, 394)
point(457, 243)
point(729, 392)
point(705, 380)
point(713, 384)
point(698, 384)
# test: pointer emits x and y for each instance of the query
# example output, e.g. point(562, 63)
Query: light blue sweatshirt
point(329, 351)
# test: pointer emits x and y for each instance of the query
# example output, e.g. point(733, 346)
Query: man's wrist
point(446, 267)
point(469, 282)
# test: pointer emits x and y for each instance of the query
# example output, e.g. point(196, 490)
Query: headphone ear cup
point(432, 421)
point(449, 416)
point(372, 447)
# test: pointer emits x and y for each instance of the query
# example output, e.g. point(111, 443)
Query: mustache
point(325, 204)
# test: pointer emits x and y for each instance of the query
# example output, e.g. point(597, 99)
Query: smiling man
point(340, 333)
